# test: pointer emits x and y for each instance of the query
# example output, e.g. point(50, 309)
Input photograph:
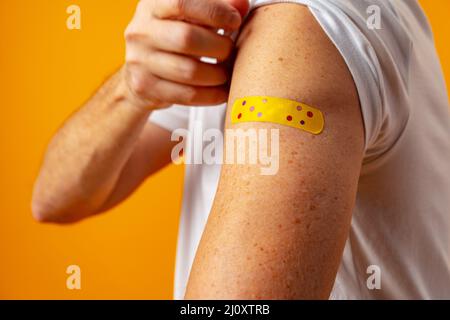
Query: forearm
point(85, 158)
point(96, 159)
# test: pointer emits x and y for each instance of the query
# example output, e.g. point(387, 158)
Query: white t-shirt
point(401, 220)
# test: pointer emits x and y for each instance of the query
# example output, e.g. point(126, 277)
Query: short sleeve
point(171, 118)
point(377, 59)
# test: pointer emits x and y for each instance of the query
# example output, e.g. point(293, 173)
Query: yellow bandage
point(278, 110)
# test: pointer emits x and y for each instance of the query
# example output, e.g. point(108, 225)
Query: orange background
point(47, 71)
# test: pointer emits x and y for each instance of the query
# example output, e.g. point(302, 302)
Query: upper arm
point(282, 236)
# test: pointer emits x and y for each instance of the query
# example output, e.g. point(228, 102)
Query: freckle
point(280, 226)
point(266, 9)
point(312, 207)
point(248, 258)
point(297, 220)
point(294, 153)
point(335, 198)
point(290, 161)
point(280, 59)
point(261, 248)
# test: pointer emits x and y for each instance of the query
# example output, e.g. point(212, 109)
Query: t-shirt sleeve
point(171, 118)
point(377, 59)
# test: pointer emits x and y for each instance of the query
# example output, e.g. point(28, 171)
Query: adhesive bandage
point(278, 110)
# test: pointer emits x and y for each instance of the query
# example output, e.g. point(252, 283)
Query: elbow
point(39, 211)
point(60, 206)
point(42, 212)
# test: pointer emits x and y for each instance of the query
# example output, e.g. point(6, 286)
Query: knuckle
point(131, 57)
point(134, 55)
point(139, 82)
point(138, 86)
point(189, 95)
point(131, 33)
point(185, 37)
point(128, 33)
point(188, 70)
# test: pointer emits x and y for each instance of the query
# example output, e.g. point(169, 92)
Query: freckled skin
point(282, 236)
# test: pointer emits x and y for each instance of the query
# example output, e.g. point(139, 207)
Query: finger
point(214, 13)
point(177, 93)
point(190, 39)
point(186, 70)
point(149, 87)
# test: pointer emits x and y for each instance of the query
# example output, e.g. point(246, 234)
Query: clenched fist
point(164, 43)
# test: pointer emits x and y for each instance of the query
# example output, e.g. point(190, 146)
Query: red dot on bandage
point(310, 114)
point(289, 118)
point(239, 115)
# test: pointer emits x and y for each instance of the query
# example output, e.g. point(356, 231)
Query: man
point(359, 210)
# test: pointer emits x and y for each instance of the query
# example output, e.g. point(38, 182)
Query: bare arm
point(86, 156)
point(282, 236)
point(107, 148)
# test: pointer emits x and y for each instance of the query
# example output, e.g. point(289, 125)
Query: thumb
point(241, 5)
